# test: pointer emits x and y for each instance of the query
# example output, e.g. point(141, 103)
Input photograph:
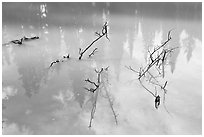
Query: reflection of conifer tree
point(131, 29)
point(6, 55)
point(189, 48)
point(175, 20)
point(117, 56)
point(188, 43)
point(131, 32)
point(117, 41)
point(149, 27)
point(174, 43)
point(104, 17)
point(179, 24)
point(31, 68)
point(30, 64)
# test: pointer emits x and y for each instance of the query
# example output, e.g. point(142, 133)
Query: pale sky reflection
point(38, 100)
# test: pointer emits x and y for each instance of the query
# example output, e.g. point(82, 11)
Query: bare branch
point(168, 39)
point(98, 34)
point(152, 77)
point(20, 41)
point(164, 85)
point(104, 32)
point(162, 56)
point(169, 34)
point(88, 80)
point(80, 50)
point(130, 68)
point(91, 89)
point(99, 71)
point(58, 60)
point(111, 105)
point(106, 69)
point(98, 86)
point(165, 104)
point(52, 63)
point(147, 89)
point(150, 55)
point(92, 113)
point(66, 56)
point(158, 58)
point(93, 52)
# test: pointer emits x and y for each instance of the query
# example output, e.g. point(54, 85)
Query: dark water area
point(37, 99)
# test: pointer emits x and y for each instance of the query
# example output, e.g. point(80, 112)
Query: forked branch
point(98, 87)
point(93, 52)
point(158, 58)
point(104, 32)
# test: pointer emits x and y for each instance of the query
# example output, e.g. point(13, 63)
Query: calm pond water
point(37, 99)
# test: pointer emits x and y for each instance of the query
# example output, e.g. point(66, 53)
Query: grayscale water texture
point(37, 99)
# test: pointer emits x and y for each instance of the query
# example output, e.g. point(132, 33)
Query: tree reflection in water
point(31, 68)
point(65, 27)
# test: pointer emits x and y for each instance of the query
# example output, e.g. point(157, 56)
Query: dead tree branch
point(93, 110)
point(88, 80)
point(93, 52)
point(91, 89)
point(104, 32)
point(20, 41)
point(157, 61)
point(92, 114)
point(58, 60)
point(164, 93)
point(98, 86)
point(52, 63)
point(147, 89)
point(95, 92)
point(111, 105)
point(130, 68)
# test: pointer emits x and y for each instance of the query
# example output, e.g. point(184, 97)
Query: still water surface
point(42, 100)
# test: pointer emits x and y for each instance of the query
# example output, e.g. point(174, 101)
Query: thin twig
point(164, 103)
point(147, 89)
point(93, 110)
point(88, 80)
point(111, 105)
point(93, 52)
point(91, 89)
point(130, 68)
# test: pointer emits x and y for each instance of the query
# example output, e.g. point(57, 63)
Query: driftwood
point(20, 41)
